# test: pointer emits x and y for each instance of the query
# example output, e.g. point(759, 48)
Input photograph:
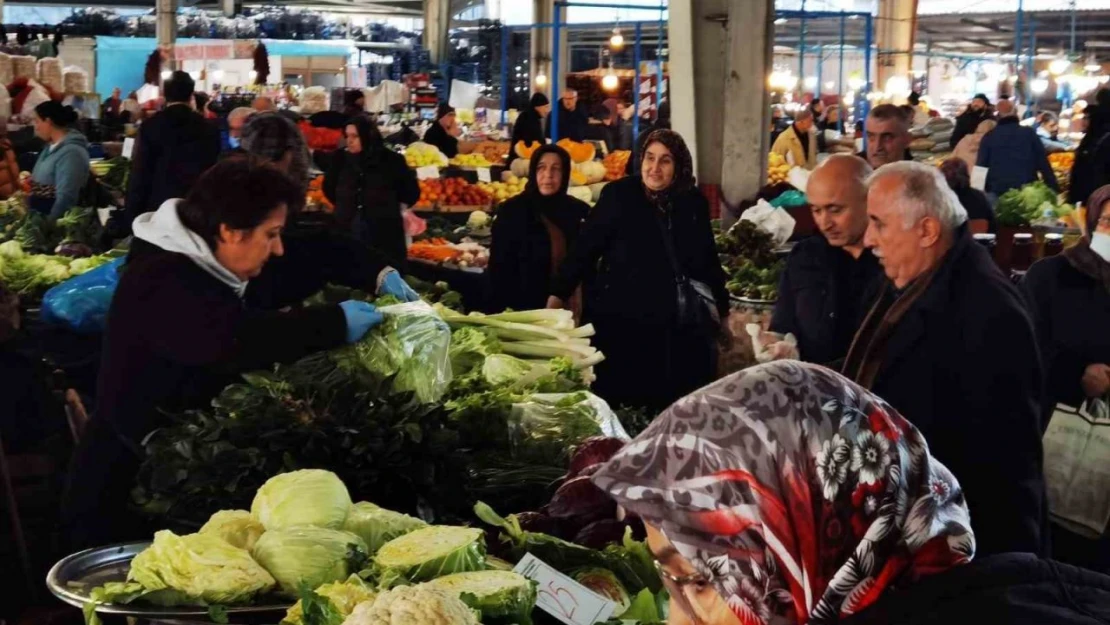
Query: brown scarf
point(1083, 258)
point(558, 255)
point(865, 356)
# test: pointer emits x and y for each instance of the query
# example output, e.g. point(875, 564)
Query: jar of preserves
point(1021, 254)
point(1053, 244)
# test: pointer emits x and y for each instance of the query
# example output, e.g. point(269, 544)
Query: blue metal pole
point(1017, 42)
point(1029, 64)
point(505, 74)
point(636, 92)
point(870, 24)
point(659, 60)
point(820, 67)
point(554, 78)
point(840, 78)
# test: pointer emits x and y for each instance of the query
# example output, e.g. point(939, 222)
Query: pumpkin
point(520, 167)
point(525, 151)
point(577, 178)
point(579, 152)
point(592, 170)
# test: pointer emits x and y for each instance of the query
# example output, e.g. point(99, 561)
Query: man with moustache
point(888, 136)
point(821, 292)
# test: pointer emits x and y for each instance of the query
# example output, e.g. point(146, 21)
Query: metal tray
point(73, 577)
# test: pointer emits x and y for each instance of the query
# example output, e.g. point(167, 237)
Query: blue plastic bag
point(81, 303)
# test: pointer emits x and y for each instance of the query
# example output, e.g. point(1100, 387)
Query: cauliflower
point(413, 605)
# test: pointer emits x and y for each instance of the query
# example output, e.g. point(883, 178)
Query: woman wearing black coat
point(528, 127)
point(651, 360)
point(533, 232)
point(1069, 296)
point(182, 326)
point(444, 131)
point(368, 182)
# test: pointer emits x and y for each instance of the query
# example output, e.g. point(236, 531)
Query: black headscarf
point(370, 137)
point(532, 189)
point(683, 168)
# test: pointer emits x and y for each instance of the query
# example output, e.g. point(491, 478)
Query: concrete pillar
point(166, 22)
point(720, 57)
point(895, 29)
point(437, 21)
point(541, 46)
point(227, 6)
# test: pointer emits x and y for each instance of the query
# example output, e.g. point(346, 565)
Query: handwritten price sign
point(562, 597)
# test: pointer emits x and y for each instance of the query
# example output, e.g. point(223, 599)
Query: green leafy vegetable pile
point(1021, 207)
point(747, 253)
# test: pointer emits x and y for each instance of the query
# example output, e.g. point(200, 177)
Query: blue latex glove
point(393, 284)
point(360, 318)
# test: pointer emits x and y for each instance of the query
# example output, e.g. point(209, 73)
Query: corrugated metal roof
point(941, 7)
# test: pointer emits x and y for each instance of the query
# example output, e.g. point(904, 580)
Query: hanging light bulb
point(166, 74)
point(1039, 85)
point(610, 82)
point(541, 79)
point(253, 74)
point(616, 42)
point(1059, 66)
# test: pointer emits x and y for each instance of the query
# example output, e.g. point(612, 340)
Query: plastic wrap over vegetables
point(408, 352)
point(81, 303)
point(564, 418)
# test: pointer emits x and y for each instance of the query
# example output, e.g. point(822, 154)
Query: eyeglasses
point(682, 589)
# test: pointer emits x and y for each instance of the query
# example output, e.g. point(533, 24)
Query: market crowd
point(889, 468)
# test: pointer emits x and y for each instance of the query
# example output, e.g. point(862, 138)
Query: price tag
point(979, 178)
point(483, 175)
point(128, 147)
point(428, 172)
point(562, 597)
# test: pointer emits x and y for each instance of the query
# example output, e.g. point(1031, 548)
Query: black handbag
point(697, 307)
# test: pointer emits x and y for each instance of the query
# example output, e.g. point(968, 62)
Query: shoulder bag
point(697, 307)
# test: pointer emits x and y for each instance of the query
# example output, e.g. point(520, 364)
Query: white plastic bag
point(547, 417)
point(1077, 467)
point(776, 221)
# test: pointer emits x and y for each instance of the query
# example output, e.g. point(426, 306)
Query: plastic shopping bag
point(1077, 467)
point(81, 303)
point(774, 220)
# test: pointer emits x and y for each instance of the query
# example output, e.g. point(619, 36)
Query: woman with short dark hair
point(181, 327)
point(368, 182)
point(974, 201)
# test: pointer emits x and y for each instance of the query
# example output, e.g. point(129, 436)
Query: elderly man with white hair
point(572, 117)
point(948, 342)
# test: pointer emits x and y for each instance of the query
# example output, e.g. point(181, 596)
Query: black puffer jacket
point(1009, 589)
point(174, 148)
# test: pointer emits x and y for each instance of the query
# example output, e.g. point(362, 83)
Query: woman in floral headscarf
point(786, 494)
point(645, 234)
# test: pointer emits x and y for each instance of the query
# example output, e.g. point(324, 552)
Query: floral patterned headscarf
point(799, 495)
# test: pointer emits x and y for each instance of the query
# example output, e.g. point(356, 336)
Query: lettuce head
point(308, 556)
point(432, 552)
point(341, 597)
point(307, 497)
point(203, 567)
point(377, 526)
point(237, 527)
point(502, 596)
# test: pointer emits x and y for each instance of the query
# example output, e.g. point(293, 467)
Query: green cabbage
point(202, 567)
point(306, 497)
point(342, 597)
point(501, 596)
point(309, 556)
point(432, 552)
point(11, 249)
point(377, 526)
point(237, 527)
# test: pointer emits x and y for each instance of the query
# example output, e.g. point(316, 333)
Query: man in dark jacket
point(528, 127)
point(978, 111)
point(174, 148)
point(888, 136)
point(822, 290)
point(949, 343)
point(572, 119)
point(1013, 154)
